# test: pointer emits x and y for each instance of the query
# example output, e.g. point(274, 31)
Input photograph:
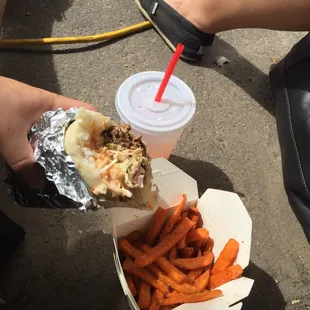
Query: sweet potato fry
point(197, 234)
point(182, 244)
point(194, 263)
point(194, 274)
point(156, 225)
point(184, 288)
point(165, 308)
point(202, 281)
point(145, 275)
point(154, 269)
point(203, 244)
point(144, 300)
point(199, 222)
point(199, 243)
point(222, 277)
point(186, 252)
point(131, 284)
point(193, 210)
point(138, 244)
point(194, 218)
point(166, 244)
point(209, 245)
point(199, 252)
point(173, 272)
point(134, 236)
point(157, 298)
point(173, 253)
point(173, 219)
point(191, 298)
point(183, 216)
point(128, 249)
point(137, 283)
point(227, 257)
point(173, 294)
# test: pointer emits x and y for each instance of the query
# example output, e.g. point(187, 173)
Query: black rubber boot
point(290, 82)
point(11, 235)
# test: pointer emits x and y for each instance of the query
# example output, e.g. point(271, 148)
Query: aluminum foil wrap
point(47, 138)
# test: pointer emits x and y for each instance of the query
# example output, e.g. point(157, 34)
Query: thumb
point(57, 101)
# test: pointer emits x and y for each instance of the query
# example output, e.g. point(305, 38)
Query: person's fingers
point(32, 175)
point(57, 101)
point(19, 156)
point(49, 100)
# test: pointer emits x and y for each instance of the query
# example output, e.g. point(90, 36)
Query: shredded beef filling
point(121, 135)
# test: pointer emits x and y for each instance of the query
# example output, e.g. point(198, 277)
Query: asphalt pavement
point(66, 260)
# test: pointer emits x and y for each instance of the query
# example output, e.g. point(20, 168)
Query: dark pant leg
point(290, 81)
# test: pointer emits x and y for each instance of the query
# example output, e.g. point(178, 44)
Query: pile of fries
point(173, 262)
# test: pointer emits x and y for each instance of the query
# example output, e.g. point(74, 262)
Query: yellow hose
point(79, 39)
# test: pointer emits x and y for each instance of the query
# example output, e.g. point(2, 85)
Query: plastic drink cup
point(160, 124)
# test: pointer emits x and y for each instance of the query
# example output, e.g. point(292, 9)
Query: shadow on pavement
point(206, 174)
point(265, 293)
point(54, 277)
point(243, 73)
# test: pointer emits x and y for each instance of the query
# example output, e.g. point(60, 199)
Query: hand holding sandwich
point(21, 107)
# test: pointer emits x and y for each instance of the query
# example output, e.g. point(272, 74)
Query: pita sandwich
point(111, 160)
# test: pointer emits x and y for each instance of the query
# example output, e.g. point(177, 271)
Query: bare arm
point(219, 15)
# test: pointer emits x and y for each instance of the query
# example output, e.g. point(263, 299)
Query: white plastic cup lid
point(135, 103)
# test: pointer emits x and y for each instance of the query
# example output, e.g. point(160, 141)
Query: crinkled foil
point(47, 138)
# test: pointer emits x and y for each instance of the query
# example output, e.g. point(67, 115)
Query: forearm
point(221, 15)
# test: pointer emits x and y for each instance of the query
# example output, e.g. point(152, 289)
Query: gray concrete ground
point(66, 259)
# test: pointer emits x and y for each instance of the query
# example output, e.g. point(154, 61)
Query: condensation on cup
point(159, 124)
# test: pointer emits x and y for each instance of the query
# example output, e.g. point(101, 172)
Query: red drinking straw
point(170, 69)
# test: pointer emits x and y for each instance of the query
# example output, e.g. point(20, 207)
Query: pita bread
point(113, 163)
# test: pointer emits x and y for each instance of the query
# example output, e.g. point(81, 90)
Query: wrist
point(220, 15)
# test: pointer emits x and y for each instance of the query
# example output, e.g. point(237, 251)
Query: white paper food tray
point(223, 214)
